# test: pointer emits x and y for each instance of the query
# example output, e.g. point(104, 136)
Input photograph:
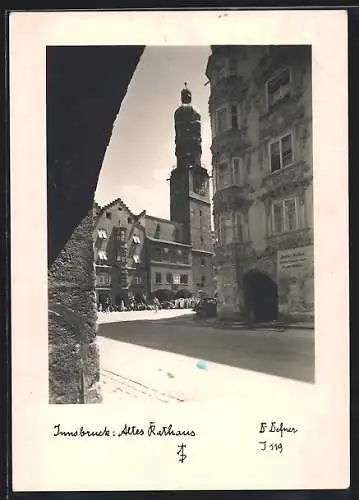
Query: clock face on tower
point(200, 184)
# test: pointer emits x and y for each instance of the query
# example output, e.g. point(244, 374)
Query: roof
point(123, 205)
point(160, 219)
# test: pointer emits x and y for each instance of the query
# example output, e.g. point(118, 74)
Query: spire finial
point(186, 96)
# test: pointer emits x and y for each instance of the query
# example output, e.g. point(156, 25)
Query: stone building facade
point(141, 255)
point(120, 254)
point(261, 119)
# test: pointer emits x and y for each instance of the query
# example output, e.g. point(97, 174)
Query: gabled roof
point(120, 202)
point(115, 202)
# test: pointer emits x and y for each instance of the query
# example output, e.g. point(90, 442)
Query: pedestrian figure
point(156, 304)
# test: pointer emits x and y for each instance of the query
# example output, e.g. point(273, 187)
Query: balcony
point(229, 140)
point(282, 116)
point(292, 239)
point(230, 87)
point(287, 180)
point(231, 198)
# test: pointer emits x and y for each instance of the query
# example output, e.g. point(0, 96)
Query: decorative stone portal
point(260, 297)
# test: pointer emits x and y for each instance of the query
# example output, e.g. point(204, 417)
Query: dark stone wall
point(85, 89)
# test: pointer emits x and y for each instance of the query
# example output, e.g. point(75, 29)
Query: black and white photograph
point(202, 220)
point(174, 192)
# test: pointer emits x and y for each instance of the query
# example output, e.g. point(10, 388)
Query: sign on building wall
point(296, 280)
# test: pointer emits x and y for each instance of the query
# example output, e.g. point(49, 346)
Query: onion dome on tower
point(188, 132)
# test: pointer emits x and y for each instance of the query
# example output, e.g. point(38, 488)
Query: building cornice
point(169, 264)
point(205, 252)
point(166, 242)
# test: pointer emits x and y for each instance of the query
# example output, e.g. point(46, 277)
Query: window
point(184, 279)
point(237, 172)
point(203, 280)
point(129, 220)
point(223, 69)
point(172, 255)
point(214, 182)
point(158, 231)
point(285, 216)
point(102, 255)
point(281, 153)
point(185, 258)
point(102, 234)
point(157, 254)
point(203, 262)
point(290, 215)
point(279, 88)
point(221, 120)
point(239, 229)
point(103, 279)
point(138, 280)
point(200, 213)
point(121, 255)
point(169, 278)
point(226, 228)
point(158, 278)
point(223, 175)
point(121, 235)
point(136, 259)
point(234, 116)
point(136, 239)
point(108, 215)
point(202, 240)
point(232, 63)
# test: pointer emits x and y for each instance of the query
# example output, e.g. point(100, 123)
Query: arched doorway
point(260, 296)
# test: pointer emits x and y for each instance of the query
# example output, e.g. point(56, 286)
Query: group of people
point(145, 305)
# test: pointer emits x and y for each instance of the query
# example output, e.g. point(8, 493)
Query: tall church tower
point(189, 190)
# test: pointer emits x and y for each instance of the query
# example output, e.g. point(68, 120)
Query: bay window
point(225, 118)
point(221, 122)
point(223, 70)
point(239, 227)
point(237, 172)
point(234, 109)
point(223, 176)
point(226, 232)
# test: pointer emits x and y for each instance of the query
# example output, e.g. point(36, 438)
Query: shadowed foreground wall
point(85, 89)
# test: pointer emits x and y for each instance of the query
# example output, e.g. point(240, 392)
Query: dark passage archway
point(261, 297)
point(85, 87)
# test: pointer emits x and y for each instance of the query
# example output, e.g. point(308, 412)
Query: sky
point(141, 152)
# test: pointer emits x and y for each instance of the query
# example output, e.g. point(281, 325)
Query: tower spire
point(186, 95)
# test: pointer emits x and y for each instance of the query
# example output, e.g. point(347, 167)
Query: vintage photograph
point(179, 312)
point(180, 221)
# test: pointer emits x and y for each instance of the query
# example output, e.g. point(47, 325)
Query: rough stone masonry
point(85, 88)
